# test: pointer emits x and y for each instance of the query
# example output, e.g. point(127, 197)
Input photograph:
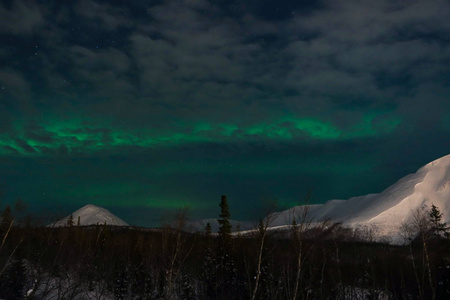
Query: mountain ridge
point(389, 209)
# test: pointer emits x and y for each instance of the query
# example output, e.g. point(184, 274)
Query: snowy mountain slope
point(390, 208)
point(92, 215)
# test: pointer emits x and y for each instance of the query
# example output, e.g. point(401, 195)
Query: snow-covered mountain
point(92, 215)
point(387, 210)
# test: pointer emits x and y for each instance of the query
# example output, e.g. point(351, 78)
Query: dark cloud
point(107, 16)
point(21, 17)
point(15, 84)
point(197, 56)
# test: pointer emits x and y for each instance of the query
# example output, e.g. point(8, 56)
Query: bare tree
point(175, 242)
point(6, 226)
point(420, 226)
point(301, 224)
point(263, 225)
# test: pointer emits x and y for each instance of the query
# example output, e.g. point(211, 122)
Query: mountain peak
point(92, 215)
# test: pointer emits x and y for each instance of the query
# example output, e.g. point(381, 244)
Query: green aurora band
point(75, 136)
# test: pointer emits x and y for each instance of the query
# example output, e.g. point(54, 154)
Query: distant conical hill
point(92, 215)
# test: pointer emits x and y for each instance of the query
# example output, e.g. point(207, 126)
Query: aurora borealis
point(86, 137)
point(148, 106)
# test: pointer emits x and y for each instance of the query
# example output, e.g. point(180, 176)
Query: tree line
point(307, 260)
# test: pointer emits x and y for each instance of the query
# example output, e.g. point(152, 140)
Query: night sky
point(143, 107)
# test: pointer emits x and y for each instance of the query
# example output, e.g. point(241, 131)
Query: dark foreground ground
point(102, 262)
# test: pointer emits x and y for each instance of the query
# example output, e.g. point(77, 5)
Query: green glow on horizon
point(202, 127)
point(157, 202)
point(281, 165)
point(446, 122)
point(228, 130)
point(126, 194)
point(318, 129)
point(90, 137)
